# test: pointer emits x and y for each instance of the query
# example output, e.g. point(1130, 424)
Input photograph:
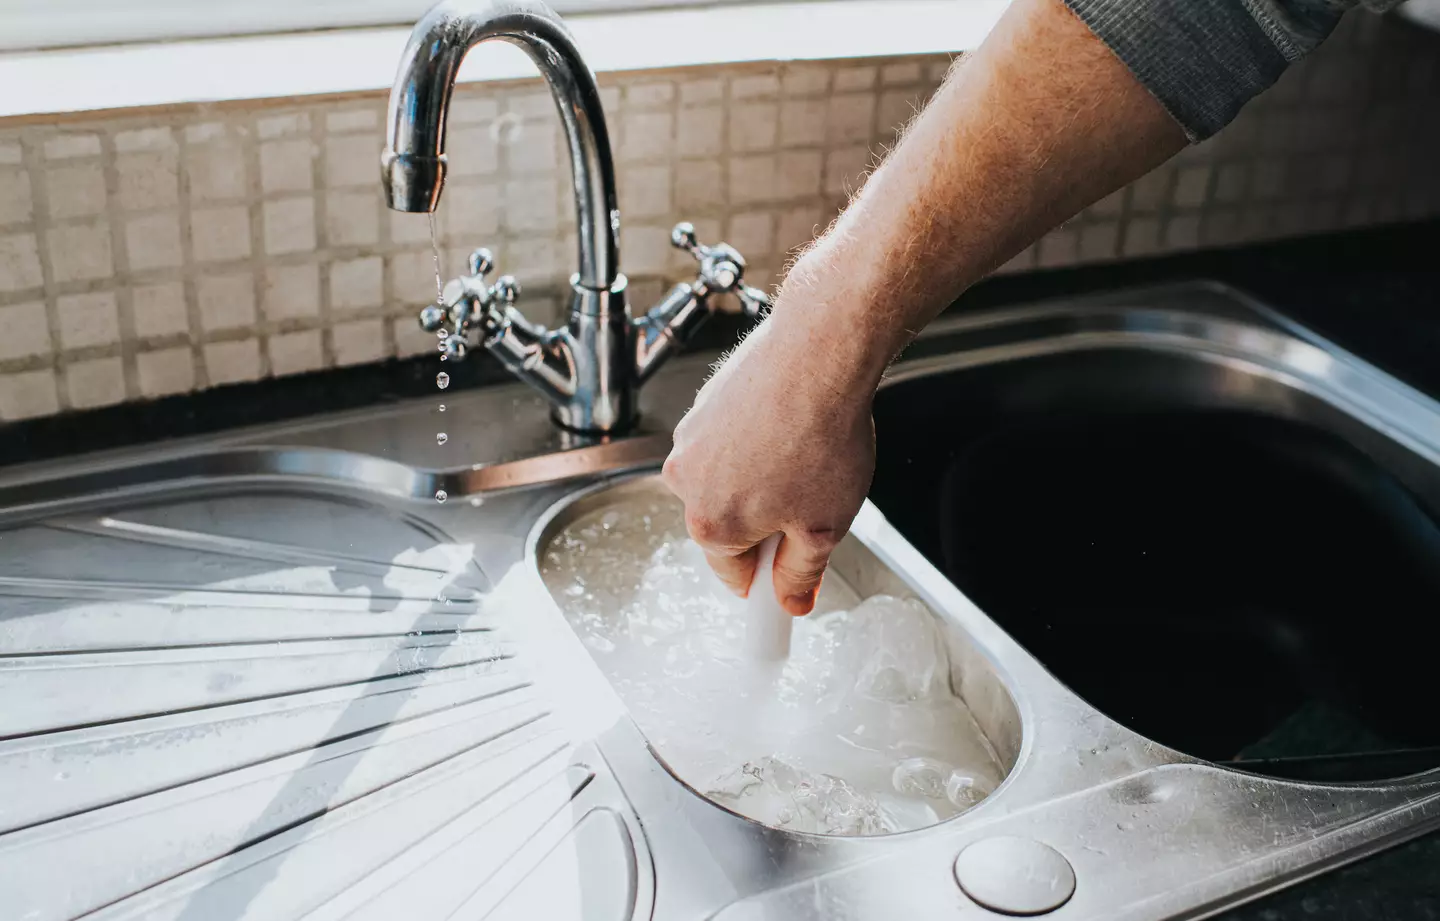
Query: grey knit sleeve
point(1204, 59)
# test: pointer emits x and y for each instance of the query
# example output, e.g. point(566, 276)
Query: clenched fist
point(779, 440)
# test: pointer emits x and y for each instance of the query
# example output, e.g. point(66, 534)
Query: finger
point(670, 472)
point(736, 570)
point(728, 548)
point(800, 563)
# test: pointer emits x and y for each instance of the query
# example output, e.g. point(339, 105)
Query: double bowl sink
point(1182, 552)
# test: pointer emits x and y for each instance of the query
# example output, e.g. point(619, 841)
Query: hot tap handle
point(683, 237)
point(722, 269)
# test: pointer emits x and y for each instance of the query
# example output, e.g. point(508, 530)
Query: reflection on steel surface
point(217, 706)
point(231, 691)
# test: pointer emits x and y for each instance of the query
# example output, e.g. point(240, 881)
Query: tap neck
point(413, 165)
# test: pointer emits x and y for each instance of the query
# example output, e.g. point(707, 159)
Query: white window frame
point(38, 24)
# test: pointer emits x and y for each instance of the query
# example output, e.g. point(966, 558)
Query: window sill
point(358, 60)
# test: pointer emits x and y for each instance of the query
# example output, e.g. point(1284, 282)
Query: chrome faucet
point(590, 370)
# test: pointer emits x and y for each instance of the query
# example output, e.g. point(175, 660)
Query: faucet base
point(598, 333)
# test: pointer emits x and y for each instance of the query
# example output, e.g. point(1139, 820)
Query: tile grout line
point(39, 210)
point(189, 289)
point(123, 285)
point(319, 209)
point(260, 261)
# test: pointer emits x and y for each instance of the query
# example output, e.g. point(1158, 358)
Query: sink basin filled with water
point(859, 732)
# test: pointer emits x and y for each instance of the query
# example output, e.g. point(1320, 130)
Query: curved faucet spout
point(413, 165)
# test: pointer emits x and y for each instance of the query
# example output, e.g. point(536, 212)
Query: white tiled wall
point(150, 253)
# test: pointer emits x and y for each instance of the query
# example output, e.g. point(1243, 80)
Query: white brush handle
point(767, 625)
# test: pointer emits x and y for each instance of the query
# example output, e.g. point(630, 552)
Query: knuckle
point(670, 472)
point(704, 528)
point(803, 573)
point(731, 571)
point(820, 540)
point(805, 555)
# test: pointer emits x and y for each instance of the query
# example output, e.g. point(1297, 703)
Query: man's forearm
point(1039, 122)
point(1042, 120)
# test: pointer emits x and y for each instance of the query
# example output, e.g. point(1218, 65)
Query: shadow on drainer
point(1225, 564)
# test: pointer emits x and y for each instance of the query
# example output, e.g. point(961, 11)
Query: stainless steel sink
point(1234, 550)
point(266, 676)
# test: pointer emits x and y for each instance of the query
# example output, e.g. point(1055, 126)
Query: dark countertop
point(1375, 293)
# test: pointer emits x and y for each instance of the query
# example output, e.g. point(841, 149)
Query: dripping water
point(435, 257)
point(442, 380)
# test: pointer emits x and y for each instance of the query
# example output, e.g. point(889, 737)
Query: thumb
point(800, 563)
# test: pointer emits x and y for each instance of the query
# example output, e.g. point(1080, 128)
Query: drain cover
point(1015, 876)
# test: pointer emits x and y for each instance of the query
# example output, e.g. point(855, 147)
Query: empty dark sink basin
point(1206, 551)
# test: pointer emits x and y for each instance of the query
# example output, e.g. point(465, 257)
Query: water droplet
point(442, 334)
point(441, 438)
point(442, 380)
point(441, 495)
point(442, 407)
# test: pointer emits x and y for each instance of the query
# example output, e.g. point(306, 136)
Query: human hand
point(780, 439)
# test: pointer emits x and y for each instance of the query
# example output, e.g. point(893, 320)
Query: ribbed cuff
point(1202, 59)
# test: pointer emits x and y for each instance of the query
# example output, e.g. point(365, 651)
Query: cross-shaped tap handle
point(469, 303)
point(722, 269)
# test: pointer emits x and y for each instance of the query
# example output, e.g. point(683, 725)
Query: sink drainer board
point(301, 694)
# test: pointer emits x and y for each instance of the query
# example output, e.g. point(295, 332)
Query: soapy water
point(857, 733)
